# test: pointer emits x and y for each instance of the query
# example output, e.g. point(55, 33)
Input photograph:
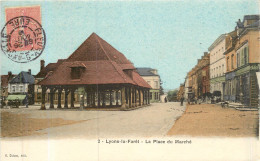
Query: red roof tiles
point(48, 68)
point(102, 64)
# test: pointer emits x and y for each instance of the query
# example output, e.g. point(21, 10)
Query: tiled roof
point(102, 64)
point(95, 48)
point(23, 77)
point(146, 72)
point(48, 68)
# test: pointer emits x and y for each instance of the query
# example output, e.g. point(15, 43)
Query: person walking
point(182, 99)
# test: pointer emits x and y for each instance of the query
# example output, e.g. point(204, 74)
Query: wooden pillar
point(72, 98)
point(130, 97)
point(126, 95)
point(88, 99)
point(142, 96)
point(139, 96)
point(59, 97)
point(93, 99)
point(146, 101)
point(66, 98)
point(82, 102)
point(123, 99)
point(136, 103)
point(51, 98)
point(44, 89)
point(99, 99)
point(103, 99)
point(110, 97)
point(117, 98)
point(87, 95)
point(133, 99)
point(148, 91)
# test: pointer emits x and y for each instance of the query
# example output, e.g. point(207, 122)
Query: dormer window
point(75, 73)
point(129, 72)
point(76, 70)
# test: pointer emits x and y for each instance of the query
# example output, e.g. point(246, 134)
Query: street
point(210, 120)
point(151, 121)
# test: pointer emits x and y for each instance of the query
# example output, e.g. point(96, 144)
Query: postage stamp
point(22, 38)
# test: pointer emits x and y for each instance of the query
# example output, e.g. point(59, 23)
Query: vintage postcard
point(130, 80)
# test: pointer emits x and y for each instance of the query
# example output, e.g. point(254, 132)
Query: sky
point(169, 35)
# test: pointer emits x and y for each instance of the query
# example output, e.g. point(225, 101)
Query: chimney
point(205, 53)
point(29, 71)
point(9, 75)
point(198, 60)
point(42, 64)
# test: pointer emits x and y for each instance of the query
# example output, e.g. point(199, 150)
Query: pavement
point(150, 121)
point(209, 120)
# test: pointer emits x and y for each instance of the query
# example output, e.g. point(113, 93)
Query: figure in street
point(182, 99)
point(26, 101)
point(17, 103)
point(165, 99)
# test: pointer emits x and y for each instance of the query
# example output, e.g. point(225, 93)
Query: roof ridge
point(109, 58)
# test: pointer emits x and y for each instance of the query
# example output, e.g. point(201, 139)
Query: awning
point(15, 97)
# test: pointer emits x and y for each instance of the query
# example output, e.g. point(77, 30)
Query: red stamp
point(23, 38)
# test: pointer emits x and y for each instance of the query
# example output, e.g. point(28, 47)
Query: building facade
point(218, 64)
point(199, 81)
point(4, 86)
point(180, 93)
point(186, 88)
point(22, 87)
point(152, 77)
point(243, 61)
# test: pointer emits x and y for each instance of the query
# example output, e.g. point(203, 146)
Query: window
point(238, 59)
point(13, 88)
point(242, 56)
point(232, 61)
point(228, 63)
point(156, 84)
point(246, 55)
point(21, 88)
point(151, 95)
point(219, 70)
point(223, 69)
point(75, 73)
